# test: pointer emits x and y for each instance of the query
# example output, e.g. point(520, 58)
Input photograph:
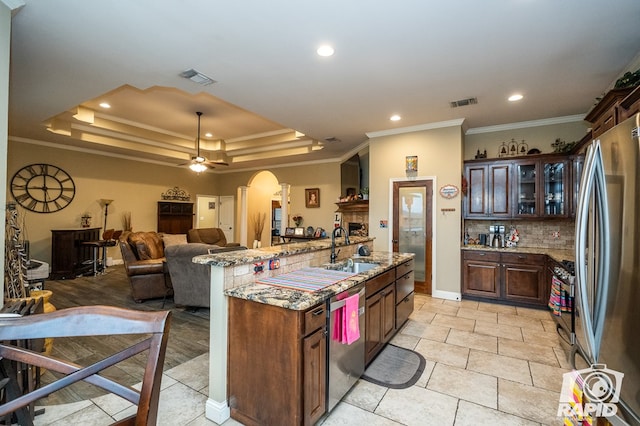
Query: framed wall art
point(312, 197)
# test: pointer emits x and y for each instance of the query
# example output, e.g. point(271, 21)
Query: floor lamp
point(106, 211)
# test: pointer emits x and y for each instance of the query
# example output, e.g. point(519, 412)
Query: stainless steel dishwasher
point(346, 362)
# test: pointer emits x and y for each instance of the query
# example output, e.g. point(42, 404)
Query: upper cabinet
point(489, 190)
point(539, 187)
point(609, 111)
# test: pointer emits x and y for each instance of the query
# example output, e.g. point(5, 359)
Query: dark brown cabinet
point(609, 112)
point(481, 274)
point(542, 187)
point(175, 217)
point(517, 278)
point(69, 258)
point(379, 313)
point(519, 188)
point(488, 190)
point(277, 375)
point(405, 286)
point(389, 302)
point(524, 278)
point(630, 105)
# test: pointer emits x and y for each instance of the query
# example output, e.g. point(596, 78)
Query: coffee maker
point(496, 236)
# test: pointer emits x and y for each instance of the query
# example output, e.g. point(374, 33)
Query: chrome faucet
point(334, 255)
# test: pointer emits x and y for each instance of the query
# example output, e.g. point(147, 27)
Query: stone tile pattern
point(487, 364)
point(532, 234)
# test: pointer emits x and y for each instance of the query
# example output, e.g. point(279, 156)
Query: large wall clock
point(42, 188)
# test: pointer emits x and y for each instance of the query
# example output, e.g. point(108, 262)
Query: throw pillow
point(174, 239)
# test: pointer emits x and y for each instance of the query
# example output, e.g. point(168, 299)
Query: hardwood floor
point(188, 336)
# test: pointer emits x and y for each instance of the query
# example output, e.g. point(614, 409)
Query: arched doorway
point(263, 189)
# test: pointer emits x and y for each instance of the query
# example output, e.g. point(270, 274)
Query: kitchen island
point(233, 276)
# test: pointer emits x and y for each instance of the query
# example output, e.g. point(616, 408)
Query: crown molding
point(13, 5)
point(417, 128)
point(526, 124)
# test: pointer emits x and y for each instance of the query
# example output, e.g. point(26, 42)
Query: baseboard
point(218, 412)
point(448, 295)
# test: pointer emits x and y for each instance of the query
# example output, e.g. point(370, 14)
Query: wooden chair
point(86, 321)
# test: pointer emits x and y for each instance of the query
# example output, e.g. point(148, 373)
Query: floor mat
point(395, 367)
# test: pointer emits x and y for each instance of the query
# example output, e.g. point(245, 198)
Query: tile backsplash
point(540, 234)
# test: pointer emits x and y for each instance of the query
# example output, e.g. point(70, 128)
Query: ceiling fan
point(199, 163)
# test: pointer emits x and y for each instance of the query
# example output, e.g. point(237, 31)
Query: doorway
point(413, 227)
point(213, 211)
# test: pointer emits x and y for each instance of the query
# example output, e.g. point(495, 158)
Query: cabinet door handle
point(522, 256)
point(482, 254)
point(317, 312)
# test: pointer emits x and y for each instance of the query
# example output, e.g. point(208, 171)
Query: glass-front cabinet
point(554, 181)
point(541, 188)
point(526, 179)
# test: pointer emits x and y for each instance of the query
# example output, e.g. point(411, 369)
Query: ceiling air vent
point(463, 102)
point(332, 139)
point(197, 77)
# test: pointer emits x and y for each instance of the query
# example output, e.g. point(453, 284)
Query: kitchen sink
point(358, 267)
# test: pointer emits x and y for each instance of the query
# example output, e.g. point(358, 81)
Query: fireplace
point(358, 229)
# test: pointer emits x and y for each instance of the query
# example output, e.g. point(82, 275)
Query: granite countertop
point(556, 254)
point(301, 300)
point(249, 256)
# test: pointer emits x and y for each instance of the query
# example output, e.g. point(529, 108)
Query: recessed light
point(515, 97)
point(208, 135)
point(105, 105)
point(395, 117)
point(325, 50)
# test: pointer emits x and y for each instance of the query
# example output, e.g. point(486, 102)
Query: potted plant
point(365, 193)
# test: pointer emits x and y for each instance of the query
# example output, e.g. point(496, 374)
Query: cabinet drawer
point(404, 268)
point(403, 310)
point(485, 256)
point(404, 286)
point(376, 284)
point(523, 258)
point(315, 318)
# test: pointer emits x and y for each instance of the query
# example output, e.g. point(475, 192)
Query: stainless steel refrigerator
point(608, 267)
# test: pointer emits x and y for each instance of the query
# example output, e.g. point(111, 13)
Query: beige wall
point(261, 191)
point(324, 176)
point(134, 186)
point(538, 136)
point(439, 154)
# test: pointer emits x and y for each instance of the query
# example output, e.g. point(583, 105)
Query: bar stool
point(108, 240)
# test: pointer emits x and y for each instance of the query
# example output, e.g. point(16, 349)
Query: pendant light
point(197, 164)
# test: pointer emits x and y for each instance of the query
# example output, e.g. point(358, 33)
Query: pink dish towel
point(350, 320)
point(336, 334)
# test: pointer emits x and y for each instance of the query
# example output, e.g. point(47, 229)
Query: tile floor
point(487, 364)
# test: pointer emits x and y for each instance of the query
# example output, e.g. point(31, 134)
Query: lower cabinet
point(388, 306)
point(405, 286)
point(277, 364)
point(517, 278)
point(380, 320)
